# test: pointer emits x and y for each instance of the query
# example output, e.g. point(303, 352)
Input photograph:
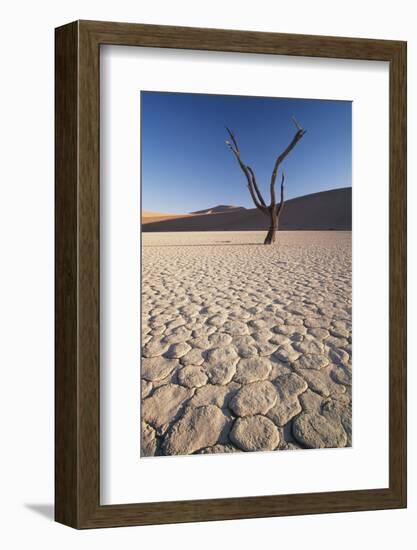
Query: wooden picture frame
point(77, 405)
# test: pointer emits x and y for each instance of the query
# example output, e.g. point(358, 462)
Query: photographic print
point(246, 281)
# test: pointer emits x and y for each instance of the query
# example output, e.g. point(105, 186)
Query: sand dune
point(148, 216)
point(327, 210)
point(218, 209)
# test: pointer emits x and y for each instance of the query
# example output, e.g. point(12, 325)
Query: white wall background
point(26, 271)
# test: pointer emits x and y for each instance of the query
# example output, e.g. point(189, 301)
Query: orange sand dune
point(148, 216)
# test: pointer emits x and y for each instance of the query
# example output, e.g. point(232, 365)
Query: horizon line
point(244, 207)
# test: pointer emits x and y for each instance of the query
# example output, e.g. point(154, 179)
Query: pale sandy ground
point(245, 347)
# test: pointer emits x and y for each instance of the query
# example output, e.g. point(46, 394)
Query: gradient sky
point(186, 165)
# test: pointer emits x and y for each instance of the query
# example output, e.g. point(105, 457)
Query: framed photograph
point(230, 274)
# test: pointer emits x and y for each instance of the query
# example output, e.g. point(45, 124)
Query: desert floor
point(245, 347)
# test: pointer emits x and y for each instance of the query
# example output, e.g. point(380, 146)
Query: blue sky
point(187, 166)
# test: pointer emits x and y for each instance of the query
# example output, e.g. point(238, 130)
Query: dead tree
point(273, 210)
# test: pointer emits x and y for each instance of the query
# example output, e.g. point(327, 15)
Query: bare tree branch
point(299, 134)
point(299, 127)
point(255, 185)
point(255, 199)
point(232, 137)
point(247, 170)
point(273, 199)
point(281, 204)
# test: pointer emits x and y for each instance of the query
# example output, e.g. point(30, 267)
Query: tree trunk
point(270, 237)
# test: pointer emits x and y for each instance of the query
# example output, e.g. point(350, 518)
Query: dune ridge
point(219, 208)
point(323, 211)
